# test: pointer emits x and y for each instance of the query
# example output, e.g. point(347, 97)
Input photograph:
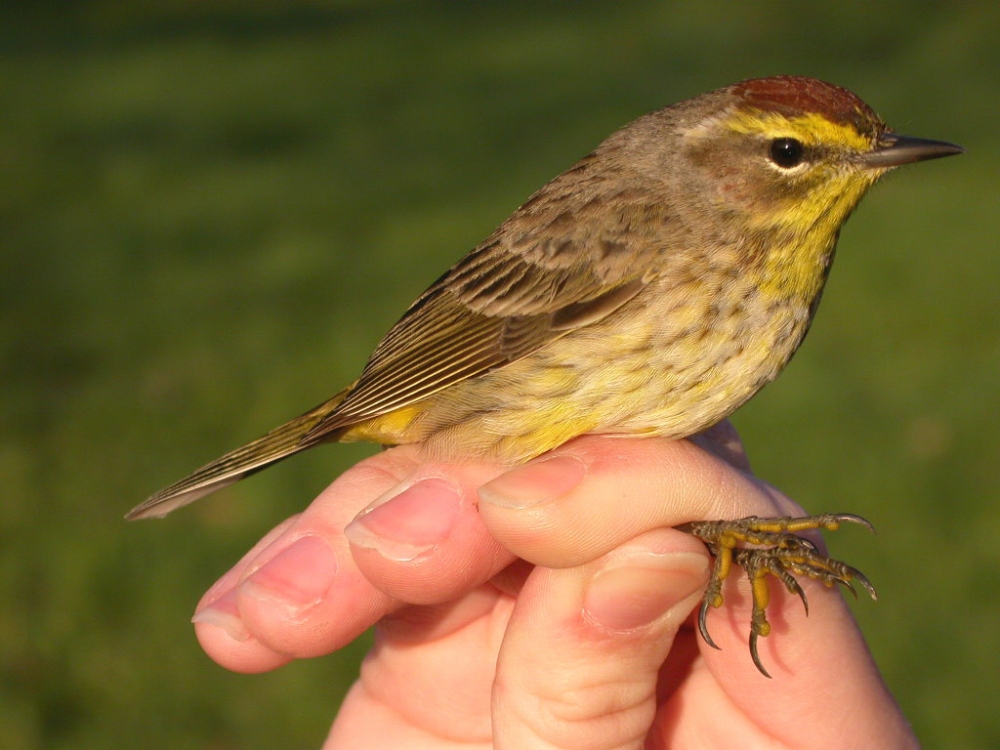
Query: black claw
point(703, 625)
point(802, 595)
point(755, 656)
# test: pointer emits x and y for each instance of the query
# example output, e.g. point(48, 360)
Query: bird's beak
point(895, 150)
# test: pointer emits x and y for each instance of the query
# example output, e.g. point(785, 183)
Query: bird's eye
point(787, 152)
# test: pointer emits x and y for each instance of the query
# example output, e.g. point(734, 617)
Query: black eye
point(787, 152)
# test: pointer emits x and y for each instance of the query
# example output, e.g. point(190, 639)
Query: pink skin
point(548, 606)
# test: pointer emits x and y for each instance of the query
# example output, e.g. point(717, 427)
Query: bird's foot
point(770, 547)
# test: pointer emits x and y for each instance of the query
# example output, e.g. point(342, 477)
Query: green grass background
point(210, 212)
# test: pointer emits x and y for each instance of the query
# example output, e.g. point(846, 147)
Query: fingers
point(303, 591)
point(399, 529)
point(414, 534)
point(573, 663)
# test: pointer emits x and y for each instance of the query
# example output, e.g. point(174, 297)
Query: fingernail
point(639, 588)
point(404, 524)
point(223, 613)
point(537, 482)
point(297, 578)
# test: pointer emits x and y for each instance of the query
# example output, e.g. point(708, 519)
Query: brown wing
point(562, 261)
point(442, 340)
point(578, 249)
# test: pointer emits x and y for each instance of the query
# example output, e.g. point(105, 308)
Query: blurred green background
point(211, 211)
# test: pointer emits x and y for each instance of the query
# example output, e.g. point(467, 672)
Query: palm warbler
point(650, 289)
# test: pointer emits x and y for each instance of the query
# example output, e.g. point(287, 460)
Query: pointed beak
point(895, 150)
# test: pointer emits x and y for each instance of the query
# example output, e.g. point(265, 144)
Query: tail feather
point(279, 443)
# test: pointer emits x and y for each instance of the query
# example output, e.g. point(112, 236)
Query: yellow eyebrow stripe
point(810, 128)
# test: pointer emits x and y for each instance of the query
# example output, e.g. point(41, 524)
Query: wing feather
point(543, 273)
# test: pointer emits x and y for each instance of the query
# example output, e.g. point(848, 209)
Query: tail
point(279, 443)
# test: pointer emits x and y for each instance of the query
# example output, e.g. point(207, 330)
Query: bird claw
point(774, 550)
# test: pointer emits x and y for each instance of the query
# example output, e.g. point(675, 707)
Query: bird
point(649, 290)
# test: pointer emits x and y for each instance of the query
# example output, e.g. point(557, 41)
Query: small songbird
point(650, 289)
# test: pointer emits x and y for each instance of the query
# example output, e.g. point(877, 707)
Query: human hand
point(585, 641)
